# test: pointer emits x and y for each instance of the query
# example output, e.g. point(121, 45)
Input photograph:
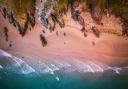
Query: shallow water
point(17, 74)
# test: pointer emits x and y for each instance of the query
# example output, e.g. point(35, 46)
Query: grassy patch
point(119, 7)
point(21, 7)
point(1, 1)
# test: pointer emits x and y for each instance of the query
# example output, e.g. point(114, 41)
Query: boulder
point(43, 40)
point(61, 22)
point(10, 17)
point(4, 12)
point(96, 31)
point(31, 19)
point(125, 27)
point(52, 25)
point(20, 28)
point(25, 27)
point(76, 17)
point(57, 19)
point(6, 33)
point(125, 30)
point(44, 20)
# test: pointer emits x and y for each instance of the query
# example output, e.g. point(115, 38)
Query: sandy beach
point(63, 44)
point(109, 49)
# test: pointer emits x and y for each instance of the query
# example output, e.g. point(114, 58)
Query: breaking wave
point(12, 64)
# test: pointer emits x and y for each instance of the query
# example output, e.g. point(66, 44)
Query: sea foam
point(1, 67)
point(14, 64)
point(75, 64)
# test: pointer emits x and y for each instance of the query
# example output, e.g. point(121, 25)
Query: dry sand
point(109, 49)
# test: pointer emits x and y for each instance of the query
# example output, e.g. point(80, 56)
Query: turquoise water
point(17, 74)
point(67, 80)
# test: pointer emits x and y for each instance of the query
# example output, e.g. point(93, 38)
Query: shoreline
point(108, 48)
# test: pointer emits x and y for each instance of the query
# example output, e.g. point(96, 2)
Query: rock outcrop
point(46, 14)
point(29, 20)
point(6, 33)
point(43, 40)
point(125, 27)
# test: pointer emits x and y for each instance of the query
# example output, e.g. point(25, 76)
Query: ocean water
point(72, 80)
point(17, 74)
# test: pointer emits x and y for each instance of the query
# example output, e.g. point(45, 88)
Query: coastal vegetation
point(23, 9)
point(120, 7)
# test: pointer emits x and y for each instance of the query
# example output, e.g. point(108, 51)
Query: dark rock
point(4, 12)
point(64, 34)
point(6, 33)
point(43, 40)
point(14, 24)
point(125, 27)
point(125, 31)
point(31, 19)
point(83, 29)
point(61, 23)
point(10, 17)
point(20, 28)
point(23, 28)
point(97, 21)
point(101, 23)
point(58, 20)
point(75, 14)
point(76, 17)
point(52, 25)
point(10, 45)
point(54, 17)
point(96, 32)
point(81, 20)
point(43, 31)
point(44, 20)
